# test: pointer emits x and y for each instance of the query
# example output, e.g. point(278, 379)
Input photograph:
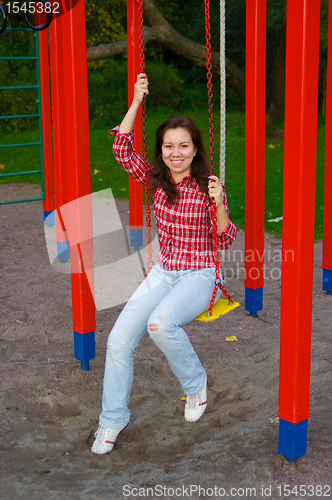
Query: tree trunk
point(161, 31)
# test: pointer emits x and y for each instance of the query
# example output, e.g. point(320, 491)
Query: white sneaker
point(105, 439)
point(196, 405)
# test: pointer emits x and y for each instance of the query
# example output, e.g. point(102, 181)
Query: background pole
point(327, 235)
point(255, 154)
point(48, 203)
point(59, 133)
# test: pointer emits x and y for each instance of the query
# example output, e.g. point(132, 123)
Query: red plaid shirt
point(185, 231)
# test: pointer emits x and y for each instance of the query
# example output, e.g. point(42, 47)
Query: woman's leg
point(126, 335)
point(190, 295)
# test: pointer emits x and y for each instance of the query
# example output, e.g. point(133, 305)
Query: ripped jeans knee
point(156, 325)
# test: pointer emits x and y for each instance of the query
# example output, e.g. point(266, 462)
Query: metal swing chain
point(213, 209)
point(145, 140)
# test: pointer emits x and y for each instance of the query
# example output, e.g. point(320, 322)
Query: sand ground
point(49, 407)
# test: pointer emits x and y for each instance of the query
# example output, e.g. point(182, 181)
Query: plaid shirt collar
point(184, 181)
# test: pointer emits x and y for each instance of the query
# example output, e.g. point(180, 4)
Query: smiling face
point(178, 151)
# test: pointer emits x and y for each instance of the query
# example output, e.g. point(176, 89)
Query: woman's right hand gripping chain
point(141, 88)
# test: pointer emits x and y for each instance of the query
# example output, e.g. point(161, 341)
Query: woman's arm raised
point(141, 88)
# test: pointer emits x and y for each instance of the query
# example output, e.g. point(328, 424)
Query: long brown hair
point(199, 167)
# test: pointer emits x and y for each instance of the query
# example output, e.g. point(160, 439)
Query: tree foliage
point(105, 21)
point(175, 39)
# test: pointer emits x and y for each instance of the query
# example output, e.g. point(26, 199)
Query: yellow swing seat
point(221, 307)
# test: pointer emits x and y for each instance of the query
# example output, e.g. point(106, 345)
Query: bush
point(18, 73)
point(108, 98)
point(107, 91)
point(166, 86)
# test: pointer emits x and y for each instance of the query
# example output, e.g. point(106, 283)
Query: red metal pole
point(72, 166)
point(48, 204)
point(135, 189)
point(327, 237)
point(59, 132)
point(302, 52)
point(255, 154)
point(79, 181)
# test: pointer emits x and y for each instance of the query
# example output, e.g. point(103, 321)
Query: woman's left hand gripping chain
point(215, 190)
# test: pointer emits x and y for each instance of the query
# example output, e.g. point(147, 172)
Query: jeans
point(162, 304)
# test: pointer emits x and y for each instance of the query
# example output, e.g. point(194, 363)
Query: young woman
point(180, 285)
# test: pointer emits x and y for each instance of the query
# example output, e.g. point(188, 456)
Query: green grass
point(20, 159)
point(105, 172)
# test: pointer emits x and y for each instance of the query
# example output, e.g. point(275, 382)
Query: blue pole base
point(136, 238)
point(292, 439)
point(327, 281)
point(63, 250)
point(253, 300)
point(84, 348)
point(49, 218)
